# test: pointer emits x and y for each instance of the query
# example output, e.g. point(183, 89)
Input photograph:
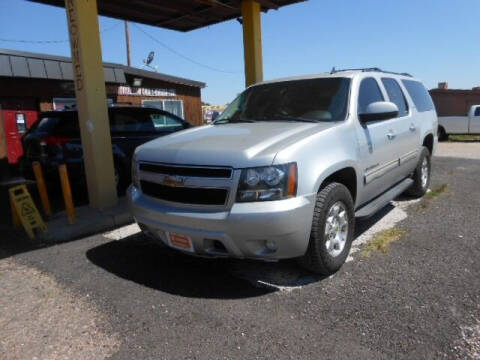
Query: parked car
point(460, 125)
point(287, 167)
point(55, 138)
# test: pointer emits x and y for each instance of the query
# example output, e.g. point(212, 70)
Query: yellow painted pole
point(90, 91)
point(252, 41)
point(67, 193)
point(42, 188)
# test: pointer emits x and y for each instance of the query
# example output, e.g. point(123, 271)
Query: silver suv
point(284, 171)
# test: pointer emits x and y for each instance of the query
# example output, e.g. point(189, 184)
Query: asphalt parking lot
point(134, 300)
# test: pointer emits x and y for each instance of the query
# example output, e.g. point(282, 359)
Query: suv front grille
point(185, 195)
point(210, 172)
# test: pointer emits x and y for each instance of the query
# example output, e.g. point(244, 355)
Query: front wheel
point(421, 175)
point(332, 230)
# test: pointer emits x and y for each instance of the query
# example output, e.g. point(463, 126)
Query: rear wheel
point(421, 175)
point(442, 135)
point(332, 230)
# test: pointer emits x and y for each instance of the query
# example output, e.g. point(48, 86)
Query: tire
point(326, 256)
point(420, 182)
point(442, 135)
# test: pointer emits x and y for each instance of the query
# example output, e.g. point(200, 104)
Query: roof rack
point(369, 70)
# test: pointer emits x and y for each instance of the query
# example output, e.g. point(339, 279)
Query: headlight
point(268, 183)
point(135, 179)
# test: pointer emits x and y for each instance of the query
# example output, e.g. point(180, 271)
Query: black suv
point(55, 139)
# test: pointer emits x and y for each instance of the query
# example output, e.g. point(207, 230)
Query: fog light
point(271, 245)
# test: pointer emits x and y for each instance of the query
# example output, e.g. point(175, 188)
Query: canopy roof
point(181, 15)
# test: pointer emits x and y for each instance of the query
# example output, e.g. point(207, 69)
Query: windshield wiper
point(293, 118)
point(232, 121)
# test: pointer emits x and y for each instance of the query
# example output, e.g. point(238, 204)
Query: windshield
point(312, 100)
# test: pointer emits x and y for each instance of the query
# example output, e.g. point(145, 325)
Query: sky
point(434, 40)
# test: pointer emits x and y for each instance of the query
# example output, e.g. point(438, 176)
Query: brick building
point(31, 82)
point(454, 102)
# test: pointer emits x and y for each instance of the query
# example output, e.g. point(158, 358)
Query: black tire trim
point(417, 190)
point(317, 259)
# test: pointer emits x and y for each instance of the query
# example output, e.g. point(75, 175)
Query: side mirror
point(380, 110)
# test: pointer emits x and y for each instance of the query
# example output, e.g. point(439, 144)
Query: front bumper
point(242, 231)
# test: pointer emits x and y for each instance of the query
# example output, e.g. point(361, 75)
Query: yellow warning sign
point(26, 210)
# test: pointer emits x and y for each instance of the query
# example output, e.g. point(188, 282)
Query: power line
point(181, 55)
point(52, 41)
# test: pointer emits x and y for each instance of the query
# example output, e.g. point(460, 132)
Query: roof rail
point(371, 69)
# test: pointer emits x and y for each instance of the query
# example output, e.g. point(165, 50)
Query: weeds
point(452, 138)
point(436, 192)
point(429, 196)
point(381, 241)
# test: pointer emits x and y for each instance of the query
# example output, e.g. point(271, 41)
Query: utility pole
point(127, 40)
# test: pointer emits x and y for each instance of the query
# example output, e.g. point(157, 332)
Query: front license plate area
point(180, 241)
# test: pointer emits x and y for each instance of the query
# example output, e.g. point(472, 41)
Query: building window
point(70, 103)
point(172, 106)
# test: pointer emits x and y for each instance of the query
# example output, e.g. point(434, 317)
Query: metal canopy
point(181, 15)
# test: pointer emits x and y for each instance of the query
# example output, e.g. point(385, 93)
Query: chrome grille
point(211, 172)
point(187, 185)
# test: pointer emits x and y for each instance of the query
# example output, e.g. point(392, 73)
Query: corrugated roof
point(14, 63)
point(181, 15)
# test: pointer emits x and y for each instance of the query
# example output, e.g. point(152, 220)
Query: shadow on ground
point(139, 259)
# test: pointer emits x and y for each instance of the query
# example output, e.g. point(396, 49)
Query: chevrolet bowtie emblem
point(173, 181)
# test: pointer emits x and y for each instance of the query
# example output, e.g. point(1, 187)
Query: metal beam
point(91, 101)
point(252, 41)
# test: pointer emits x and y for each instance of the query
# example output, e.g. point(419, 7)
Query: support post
point(4, 166)
point(252, 41)
point(127, 42)
point(42, 188)
point(67, 193)
point(90, 91)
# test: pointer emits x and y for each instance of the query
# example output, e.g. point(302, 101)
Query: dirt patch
point(41, 320)
point(467, 150)
point(381, 241)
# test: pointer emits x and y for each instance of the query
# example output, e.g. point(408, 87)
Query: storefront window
point(172, 106)
point(70, 103)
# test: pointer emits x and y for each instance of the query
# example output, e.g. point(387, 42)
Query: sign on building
point(140, 91)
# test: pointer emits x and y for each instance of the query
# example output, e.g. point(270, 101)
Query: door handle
point(391, 135)
point(412, 127)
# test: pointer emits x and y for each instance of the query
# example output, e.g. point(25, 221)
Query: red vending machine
point(18, 115)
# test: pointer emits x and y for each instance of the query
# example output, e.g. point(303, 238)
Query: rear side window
point(395, 94)
point(62, 124)
point(369, 92)
point(45, 124)
point(131, 121)
point(67, 127)
point(419, 95)
point(166, 122)
point(477, 111)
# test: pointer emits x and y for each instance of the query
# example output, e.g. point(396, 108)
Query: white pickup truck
point(460, 125)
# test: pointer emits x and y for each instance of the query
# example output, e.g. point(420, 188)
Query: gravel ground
point(41, 320)
point(420, 300)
